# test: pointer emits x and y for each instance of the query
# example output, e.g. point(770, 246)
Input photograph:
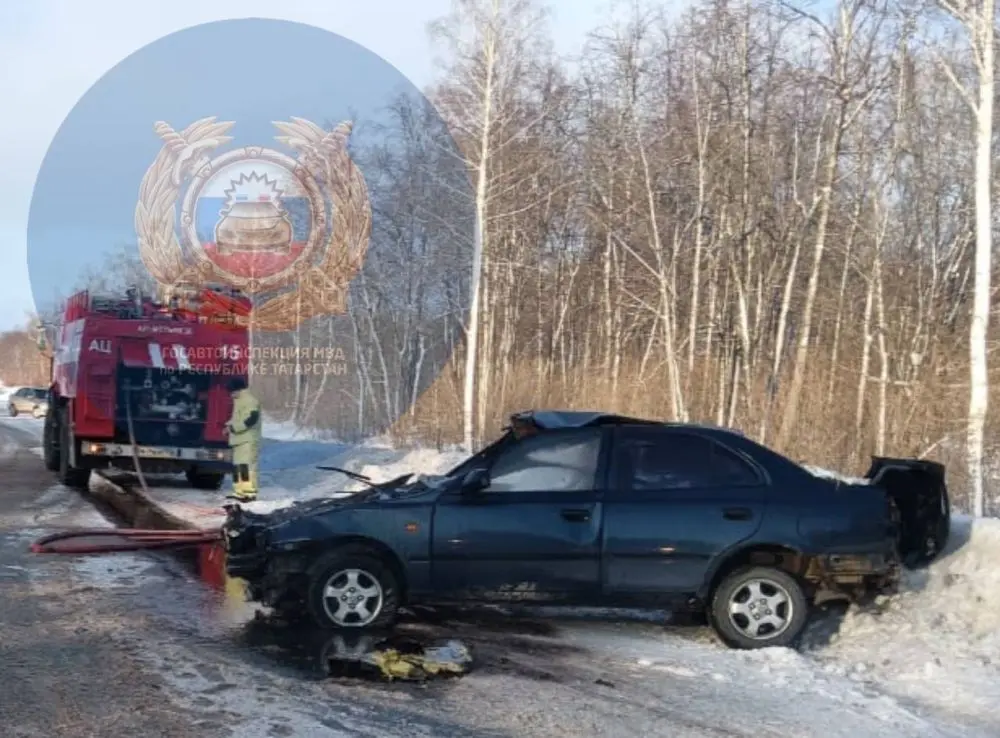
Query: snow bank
point(288, 473)
point(286, 430)
point(938, 640)
point(375, 459)
point(822, 473)
point(383, 463)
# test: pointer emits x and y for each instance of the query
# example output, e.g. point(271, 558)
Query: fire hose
point(122, 539)
point(131, 438)
point(125, 539)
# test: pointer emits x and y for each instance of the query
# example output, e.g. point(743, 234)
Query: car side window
point(664, 460)
point(561, 461)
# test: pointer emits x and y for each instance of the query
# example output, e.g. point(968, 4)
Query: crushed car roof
point(556, 419)
point(562, 419)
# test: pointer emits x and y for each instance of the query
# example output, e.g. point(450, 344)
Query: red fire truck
point(137, 380)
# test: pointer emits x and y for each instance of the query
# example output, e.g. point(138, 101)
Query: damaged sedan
point(595, 509)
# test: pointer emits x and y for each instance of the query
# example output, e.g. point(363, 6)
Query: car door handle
point(576, 514)
point(737, 513)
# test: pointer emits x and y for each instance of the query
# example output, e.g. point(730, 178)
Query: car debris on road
point(394, 663)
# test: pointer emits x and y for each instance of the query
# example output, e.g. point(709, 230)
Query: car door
point(677, 498)
point(534, 532)
point(18, 399)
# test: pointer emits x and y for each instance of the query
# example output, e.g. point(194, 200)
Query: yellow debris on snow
point(452, 658)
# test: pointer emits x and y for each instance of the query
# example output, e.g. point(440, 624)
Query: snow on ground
point(26, 423)
point(777, 691)
point(926, 661)
point(23, 425)
point(938, 641)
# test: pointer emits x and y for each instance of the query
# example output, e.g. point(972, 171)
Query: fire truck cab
point(136, 379)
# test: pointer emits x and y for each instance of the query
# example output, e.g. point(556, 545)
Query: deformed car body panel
point(919, 493)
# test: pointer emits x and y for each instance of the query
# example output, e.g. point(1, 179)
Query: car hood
point(421, 489)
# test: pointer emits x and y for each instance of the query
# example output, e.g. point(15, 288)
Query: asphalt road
point(134, 644)
point(64, 670)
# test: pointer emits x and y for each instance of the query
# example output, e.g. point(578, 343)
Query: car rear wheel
point(759, 607)
point(352, 588)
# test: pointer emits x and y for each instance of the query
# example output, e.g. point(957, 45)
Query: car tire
point(759, 607)
point(12, 411)
point(351, 568)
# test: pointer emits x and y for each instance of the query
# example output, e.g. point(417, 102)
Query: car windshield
point(477, 459)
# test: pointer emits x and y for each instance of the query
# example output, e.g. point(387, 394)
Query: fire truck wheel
point(50, 448)
point(70, 477)
point(205, 480)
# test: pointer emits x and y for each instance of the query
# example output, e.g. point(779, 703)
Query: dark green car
point(594, 509)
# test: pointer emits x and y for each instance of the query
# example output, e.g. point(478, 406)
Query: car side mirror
point(475, 481)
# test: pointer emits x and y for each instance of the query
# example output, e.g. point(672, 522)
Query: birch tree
point(852, 48)
point(978, 17)
point(490, 43)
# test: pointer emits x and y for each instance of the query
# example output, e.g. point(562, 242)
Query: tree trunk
point(979, 329)
point(479, 244)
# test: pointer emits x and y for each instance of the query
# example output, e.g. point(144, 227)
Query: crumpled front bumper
point(273, 573)
point(246, 546)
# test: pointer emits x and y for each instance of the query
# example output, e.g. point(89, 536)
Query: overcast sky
point(52, 51)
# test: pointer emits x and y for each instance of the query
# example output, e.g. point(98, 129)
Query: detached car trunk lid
point(917, 490)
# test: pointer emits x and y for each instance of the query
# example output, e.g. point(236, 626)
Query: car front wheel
point(758, 607)
point(353, 588)
point(12, 411)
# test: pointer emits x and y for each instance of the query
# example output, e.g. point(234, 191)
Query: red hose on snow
point(127, 539)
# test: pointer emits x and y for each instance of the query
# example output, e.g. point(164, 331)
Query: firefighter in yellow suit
point(245, 427)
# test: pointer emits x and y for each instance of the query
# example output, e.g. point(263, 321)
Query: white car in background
point(30, 400)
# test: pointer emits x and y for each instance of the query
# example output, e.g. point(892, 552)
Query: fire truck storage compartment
point(168, 406)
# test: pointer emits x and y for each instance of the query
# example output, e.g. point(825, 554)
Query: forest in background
point(759, 214)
